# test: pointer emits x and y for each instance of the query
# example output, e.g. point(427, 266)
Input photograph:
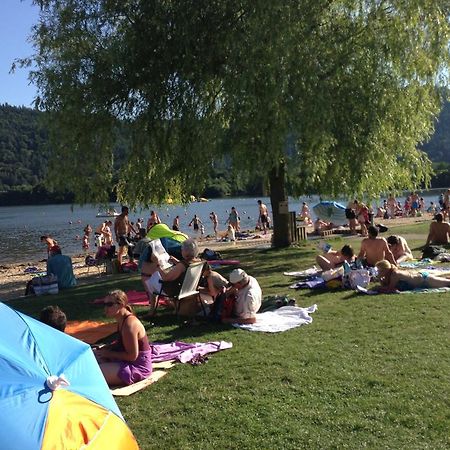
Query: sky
point(16, 19)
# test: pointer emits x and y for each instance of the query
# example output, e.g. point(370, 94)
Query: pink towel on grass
point(136, 298)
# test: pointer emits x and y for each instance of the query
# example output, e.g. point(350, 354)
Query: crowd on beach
point(233, 300)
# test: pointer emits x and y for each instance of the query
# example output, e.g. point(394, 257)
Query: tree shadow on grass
point(178, 328)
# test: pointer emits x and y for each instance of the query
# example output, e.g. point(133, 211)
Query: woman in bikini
point(393, 279)
point(129, 359)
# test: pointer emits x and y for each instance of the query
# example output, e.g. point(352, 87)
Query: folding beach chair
point(189, 288)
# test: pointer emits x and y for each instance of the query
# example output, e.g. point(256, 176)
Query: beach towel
point(136, 387)
point(184, 352)
point(303, 273)
point(136, 298)
point(362, 290)
point(282, 319)
point(90, 331)
point(312, 283)
point(159, 370)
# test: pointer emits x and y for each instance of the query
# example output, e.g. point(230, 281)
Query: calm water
point(22, 226)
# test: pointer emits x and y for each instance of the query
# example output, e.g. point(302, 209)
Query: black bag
point(432, 251)
point(350, 213)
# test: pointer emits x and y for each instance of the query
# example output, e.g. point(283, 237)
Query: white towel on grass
point(281, 319)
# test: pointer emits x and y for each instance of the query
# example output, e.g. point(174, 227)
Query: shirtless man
point(399, 248)
point(439, 231)
point(121, 230)
point(374, 249)
point(391, 206)
point(333, 259)
point(263, 215)
point(320, 225)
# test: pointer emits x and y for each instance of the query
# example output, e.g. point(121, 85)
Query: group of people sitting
point(386, 255)
point(128, 360)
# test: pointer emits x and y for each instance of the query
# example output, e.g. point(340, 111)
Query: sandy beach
point(13, 279)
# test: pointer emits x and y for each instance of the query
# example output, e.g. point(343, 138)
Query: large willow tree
point(332, 96)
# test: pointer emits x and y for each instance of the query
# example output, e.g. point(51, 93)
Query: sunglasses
point(109, 304)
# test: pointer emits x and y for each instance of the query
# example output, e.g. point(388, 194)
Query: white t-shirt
point(248, 300)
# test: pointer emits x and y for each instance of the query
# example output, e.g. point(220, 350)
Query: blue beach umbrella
point(52, 392)
point(331, 212)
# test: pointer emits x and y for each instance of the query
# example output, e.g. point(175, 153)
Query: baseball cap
point(237, 275)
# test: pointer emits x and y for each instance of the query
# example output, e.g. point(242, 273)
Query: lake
point(22, 226)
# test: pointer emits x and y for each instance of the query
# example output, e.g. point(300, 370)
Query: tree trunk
point(281, 235)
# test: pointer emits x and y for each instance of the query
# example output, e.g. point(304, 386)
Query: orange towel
point(90, 331)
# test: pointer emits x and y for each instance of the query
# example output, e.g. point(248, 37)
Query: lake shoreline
point(13, 279)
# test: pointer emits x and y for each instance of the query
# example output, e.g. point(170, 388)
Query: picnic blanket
point(312, 282)
point(312, 271)
point(136, 298)
point(413, 291)
point(159, 370)
point(185, 352)
point(282, 319)
point(90, 331)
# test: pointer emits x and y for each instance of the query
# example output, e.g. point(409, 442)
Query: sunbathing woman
point(393, 279)
point(129, 359)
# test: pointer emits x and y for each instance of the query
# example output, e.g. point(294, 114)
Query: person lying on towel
point(393, 279)
point(129, 359)
point(333, 259)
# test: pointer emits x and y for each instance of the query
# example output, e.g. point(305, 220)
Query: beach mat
point(136, 387)
point(136, 298)
point(89, 331)
point(282, 319)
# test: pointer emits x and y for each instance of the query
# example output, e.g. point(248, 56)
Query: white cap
point(237, 275)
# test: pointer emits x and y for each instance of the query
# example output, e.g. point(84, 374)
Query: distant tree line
point(24, 155)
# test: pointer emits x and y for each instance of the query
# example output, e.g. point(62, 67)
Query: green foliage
point(339, 92)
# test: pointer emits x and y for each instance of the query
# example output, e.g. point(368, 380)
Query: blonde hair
point(383, 265)
point(121, 298)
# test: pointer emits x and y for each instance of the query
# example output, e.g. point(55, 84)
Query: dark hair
point(142, 232)
point(439, 217)
point(43, 238)
point(393, 240)
point(124, 209)
point(347, 250)
point(54, 317)
point(373, 231)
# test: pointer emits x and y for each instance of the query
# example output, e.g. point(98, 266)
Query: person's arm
point(173, 273)
point(388, 254)
point(430, 236)
point(129, 333)
point(362, 251)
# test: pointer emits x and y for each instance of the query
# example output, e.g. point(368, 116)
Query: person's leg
point(437, 282)
point(110, 371)
point(121, 253)
point(323, 262)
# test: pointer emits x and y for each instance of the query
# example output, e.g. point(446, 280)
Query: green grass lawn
point(369, 372)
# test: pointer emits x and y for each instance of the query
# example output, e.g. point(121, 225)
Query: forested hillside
point(23, 154)
point(438, 148)
point(23, 158)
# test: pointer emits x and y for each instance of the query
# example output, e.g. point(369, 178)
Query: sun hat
point(237, 275)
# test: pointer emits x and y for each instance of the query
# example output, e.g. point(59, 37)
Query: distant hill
point(438, 147)
point(24, 155)
point(23, 152)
